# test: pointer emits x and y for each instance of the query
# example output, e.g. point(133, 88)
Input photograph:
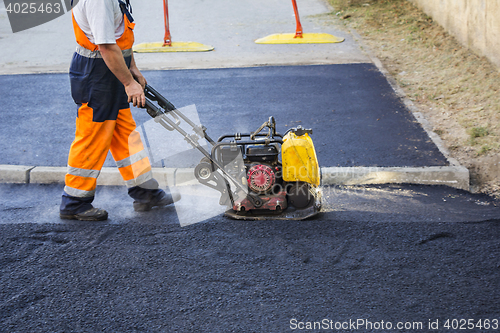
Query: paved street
point(356, 117)
point(391, 253)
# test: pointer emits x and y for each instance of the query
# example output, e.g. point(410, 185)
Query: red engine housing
point(261, 178)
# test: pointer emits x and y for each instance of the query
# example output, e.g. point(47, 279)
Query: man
point(104, 80)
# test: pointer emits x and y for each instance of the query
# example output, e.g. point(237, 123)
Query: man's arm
point(113, 58)
point(136, 73)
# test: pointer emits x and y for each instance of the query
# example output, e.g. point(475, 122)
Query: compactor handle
point(165, 107)
point(153, 95)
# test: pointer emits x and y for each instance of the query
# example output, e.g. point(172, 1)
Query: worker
point(104, 81)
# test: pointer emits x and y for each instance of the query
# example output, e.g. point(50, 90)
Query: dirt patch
point(456, 90)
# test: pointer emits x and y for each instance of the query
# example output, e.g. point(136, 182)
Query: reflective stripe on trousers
point(92, 142)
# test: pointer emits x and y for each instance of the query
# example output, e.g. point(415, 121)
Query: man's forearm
point(113, 57)
point(136, 73)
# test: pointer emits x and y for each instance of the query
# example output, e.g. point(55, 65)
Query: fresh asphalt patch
point(357, 118)
point(416, 254)
point(39, 204)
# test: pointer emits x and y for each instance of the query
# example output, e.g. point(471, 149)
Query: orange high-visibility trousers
point(92, 142)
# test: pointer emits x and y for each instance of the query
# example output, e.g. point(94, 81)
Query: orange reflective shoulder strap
point(126, 41)
point(81, 38)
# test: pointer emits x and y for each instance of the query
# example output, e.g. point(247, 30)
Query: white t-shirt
point(100, 20)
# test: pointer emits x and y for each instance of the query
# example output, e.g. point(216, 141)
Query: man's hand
point(113, 58)
point(135, 93)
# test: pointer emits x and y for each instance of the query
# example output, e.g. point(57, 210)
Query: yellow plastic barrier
point(307, 38)
point(175, 47)
point(168, 45)
point(299, 37)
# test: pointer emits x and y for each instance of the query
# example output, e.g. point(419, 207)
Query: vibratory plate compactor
point(260, 175)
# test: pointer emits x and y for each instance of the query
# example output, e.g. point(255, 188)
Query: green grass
point(484, 150)
point(478, 132)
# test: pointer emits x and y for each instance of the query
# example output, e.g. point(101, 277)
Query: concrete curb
point(15, 173)
point(21, 174)
point(107, 177)
point(453, 176)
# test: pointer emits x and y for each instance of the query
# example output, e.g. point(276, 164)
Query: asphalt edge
point(452, 176)
point(49, 70)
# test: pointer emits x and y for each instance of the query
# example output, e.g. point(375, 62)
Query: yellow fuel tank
point(298, 158)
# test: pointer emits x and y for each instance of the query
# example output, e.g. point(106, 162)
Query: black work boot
point(93, 214)
point(149, 195)
point(161, 199)
point(73, 208)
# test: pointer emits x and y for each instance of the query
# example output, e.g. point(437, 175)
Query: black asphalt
point(356, 117)
point(379, 253)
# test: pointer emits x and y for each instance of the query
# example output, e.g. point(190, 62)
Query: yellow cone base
point(176, 47)
point(307, 38)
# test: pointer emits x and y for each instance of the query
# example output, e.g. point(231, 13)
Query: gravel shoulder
point(455, 89)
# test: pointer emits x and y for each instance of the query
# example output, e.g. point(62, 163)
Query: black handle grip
point(154, 95)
